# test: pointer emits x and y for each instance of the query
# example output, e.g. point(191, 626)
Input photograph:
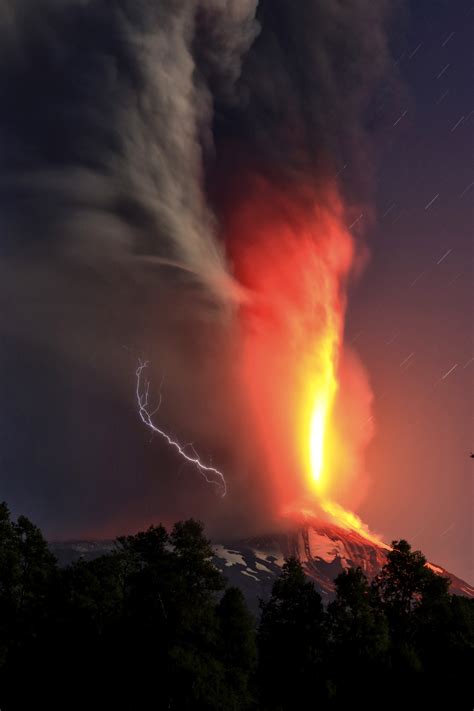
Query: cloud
point(307, 90)
point(105, 110)
point(126, 130)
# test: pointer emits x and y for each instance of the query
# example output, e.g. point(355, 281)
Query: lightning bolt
point(142, 392)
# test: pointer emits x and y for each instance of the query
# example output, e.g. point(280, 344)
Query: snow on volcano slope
point(253, 564)
point(324, 550)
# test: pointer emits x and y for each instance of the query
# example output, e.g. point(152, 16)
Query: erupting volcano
point(189, 194)
point(294, 254)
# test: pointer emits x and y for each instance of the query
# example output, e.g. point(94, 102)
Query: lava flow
point(295, 255)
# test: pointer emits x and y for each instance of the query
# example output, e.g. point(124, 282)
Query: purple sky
point(411, 317)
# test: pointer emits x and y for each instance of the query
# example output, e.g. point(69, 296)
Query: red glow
point(294, 255)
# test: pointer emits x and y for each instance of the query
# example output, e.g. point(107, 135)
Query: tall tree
point(28, 572)
point(291, 640)
point(358, 637)
point(414, 599)
point(197, 678)
point(238, 649)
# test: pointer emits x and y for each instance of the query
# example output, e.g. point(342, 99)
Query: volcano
point(253, 564)
point(325, 550)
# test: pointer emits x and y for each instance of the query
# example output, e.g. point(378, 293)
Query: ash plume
point(127, 129)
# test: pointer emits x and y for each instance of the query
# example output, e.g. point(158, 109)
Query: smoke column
point(286, 219)
point(178, 183)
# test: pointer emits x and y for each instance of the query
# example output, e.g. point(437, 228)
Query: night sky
point(411, 316)
point(128, 130)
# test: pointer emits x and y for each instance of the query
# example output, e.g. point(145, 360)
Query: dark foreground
point(152, 624)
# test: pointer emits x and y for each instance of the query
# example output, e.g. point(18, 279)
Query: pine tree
point(291, 641)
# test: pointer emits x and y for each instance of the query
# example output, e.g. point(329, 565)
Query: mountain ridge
point(253, 563)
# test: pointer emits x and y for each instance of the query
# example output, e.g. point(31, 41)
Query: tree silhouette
point(238, 649)
point(152, 623)
point(291, 640)
point(416, 601)
point(406, 582)
point(355, 622)
point(27, 575)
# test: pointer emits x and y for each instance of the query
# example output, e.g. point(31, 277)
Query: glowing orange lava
point(322, 389)
point(294, 255)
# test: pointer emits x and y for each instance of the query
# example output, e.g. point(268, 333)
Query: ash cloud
point(126, 126)
point(104, 118)
point(308, 92)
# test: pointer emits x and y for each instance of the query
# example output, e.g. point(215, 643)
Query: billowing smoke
point(133, 135)
point(106, 118)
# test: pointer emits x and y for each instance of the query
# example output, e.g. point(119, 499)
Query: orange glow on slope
point(294, 255)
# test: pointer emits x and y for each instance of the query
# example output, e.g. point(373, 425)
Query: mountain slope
point(253, 564)
point(325, 551)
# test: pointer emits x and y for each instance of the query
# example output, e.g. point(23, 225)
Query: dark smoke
point(125, 128)
point(308, 93)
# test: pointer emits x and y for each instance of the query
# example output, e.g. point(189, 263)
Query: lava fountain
point(294, 255)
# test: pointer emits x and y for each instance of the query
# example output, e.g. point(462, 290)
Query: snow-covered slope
point(253, 564)
point(325, 551)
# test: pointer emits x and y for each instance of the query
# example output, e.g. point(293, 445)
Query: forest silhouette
point(153, 624)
